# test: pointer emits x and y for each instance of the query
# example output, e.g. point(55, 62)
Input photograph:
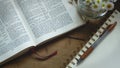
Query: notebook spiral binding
point(81, 54)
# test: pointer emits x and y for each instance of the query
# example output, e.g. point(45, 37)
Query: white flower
point(109, 6)
point(98, 1)
point(103, 5)
point(96, 7)
point(87, 2)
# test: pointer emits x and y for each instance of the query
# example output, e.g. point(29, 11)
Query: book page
point(13, 36)
point(49, 18)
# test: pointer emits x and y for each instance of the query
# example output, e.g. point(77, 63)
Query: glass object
point(87, 12)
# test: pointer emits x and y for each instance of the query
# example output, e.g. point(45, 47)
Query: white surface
point(107, 54)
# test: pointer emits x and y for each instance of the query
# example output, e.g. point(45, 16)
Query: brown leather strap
point(39, 57)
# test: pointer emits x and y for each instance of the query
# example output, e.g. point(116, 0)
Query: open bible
point(27, 23)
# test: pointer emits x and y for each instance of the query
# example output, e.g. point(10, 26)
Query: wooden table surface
point(66, 47)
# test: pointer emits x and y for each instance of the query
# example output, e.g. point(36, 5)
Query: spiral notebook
point(110, 43)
